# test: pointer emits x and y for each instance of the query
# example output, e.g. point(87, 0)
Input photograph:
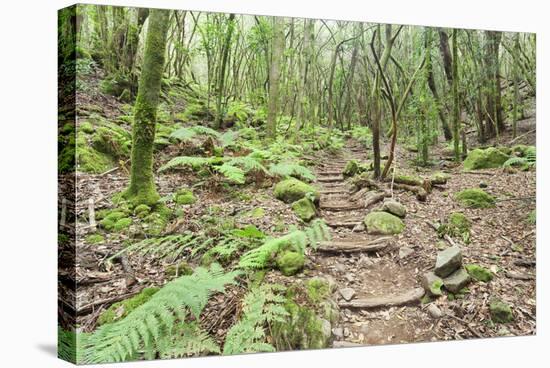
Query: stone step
point(412, 296)
point(355, 246)
point(331, 179)
point(348, 224)
point(336, 190)
point(341, 206)
point(331, 172)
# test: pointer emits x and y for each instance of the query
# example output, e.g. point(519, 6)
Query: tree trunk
point(142, 185)
point(221, 79)
point(456, 109)
point(274, 76)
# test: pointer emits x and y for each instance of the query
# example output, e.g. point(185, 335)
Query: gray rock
point(365, 329)
point(434, 311)
point(365, 261)
point(346, 332)
point(347, 293)
point(340, 267)
point(338, 332)
point(395, 208)
point(483, 184)
point(405, 252)
point(326, 328)
point(448, 261)
point(456, 281)
point(432, 283)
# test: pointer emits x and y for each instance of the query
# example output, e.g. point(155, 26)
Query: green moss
point(500, 312)
point(109, 221)
point(383, 223)
point(290, 262)
point(457, 225)
point(476, 198)
point(258, 212)
point(142, 210)
point(302, 329)
point(353, 167)
point(122, 224)
point(86, 127)
point(291, 190)
point(113, 141)
point(479, 273)
point(156, 221)
point(304, 209)
point(522, 150)
point(63, 238)
point(440, 178)
point(484, 159)
point(95, 239)
point(532, 217)
point(185, 196)
point(121, 309)
point(87, 158)
point(317, 290)
point(409, 179)
point(180, 269)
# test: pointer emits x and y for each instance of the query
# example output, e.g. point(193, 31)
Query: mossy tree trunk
point(142, 185)
point(456, 108)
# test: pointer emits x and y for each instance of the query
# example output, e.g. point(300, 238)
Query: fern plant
point(149, 328)
point(262, 306)
point(286, 169)
point(297, 240)
point(187, 133)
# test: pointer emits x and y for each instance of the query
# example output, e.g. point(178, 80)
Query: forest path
point(378, 294)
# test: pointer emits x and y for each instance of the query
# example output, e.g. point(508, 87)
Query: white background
point(28, 180)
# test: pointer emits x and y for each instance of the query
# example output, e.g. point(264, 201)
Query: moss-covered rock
point(457, 225)
point(142, 210)
point(317, 290)
point(95, 239)
point(522, 150)
point(354, 167)
point(475, 198)
point(304, 209)
point(501, 312)
point(484, 159)
point(179, 269)
point(291, 190)
point(156, 221)
point(290, 262)
point(185, 196)
point(122, 224)
point(479, 273)
point(86, 127)
point(121, 309)
point(87, 158)
point(113, 141)
point(110, 219)
point(383, 223)
point(440, 178)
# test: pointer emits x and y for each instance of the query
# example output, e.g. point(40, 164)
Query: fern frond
point(183, 134)
point(165, 247)
point(286, 169)
point(229, 138)
point(232, 173)
point(191, 161)
point(248, 163)
point(144, 327)
point(187, 339)
point(261, 306)
point(203, 130)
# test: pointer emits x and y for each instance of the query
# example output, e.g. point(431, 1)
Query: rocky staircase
point(355, 260)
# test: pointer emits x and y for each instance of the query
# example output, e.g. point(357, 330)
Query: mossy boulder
point(156, 221)
point(87, 158)
point(290, 262)
point(122, 224)
point(440, 178)
point(354, 167)
point(457, 225)
point(500, 311)
point(291, 190)
point(86, 127)
point(522, 150)
point(180, 269)
point(95, 239)
point(142, 210)
point(485, 159)
point(318, 289)
point(378, 222)
point(304, 209)
point(119, 310)
point(475, 198)
point(479, 273)
point(185, 196)
point(111, 218)
point(113, 141)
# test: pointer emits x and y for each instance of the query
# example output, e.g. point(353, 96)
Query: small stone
point(365, 261)
point(405, 252)
point(365, 329)
point(448, 261)
point(338, 332)
point(434, 311)
point(326, 328)
point(340, 267)
point(346, 332)
point(500, 312)
point(483, 184)
point(347, 293)
point(456, 281)
point(432, 283)
point(349, 277)
point(395, 208)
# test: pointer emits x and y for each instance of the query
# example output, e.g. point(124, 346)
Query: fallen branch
point(521, 136)
point(421, 193)
point(519, 276)
point(375, 198)
point(105, 302)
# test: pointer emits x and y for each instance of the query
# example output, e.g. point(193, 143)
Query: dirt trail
point(375, 276)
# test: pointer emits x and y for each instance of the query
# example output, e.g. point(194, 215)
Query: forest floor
point(501, 240)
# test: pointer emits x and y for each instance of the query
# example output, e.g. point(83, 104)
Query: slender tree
point(456, 108)
point(274, 76)
point(142, 188)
